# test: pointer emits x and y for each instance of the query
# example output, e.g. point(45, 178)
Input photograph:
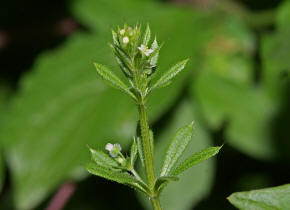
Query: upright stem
point(156, 204)
point(146, 146)
point(147, 150)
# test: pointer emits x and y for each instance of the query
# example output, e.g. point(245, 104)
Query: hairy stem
point(149, 167)
point(146, 146)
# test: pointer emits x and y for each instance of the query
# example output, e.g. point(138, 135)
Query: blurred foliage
point(270, 198)
point(61, 105)
point(5, 92)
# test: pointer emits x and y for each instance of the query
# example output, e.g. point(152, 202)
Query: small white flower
point(125, 40)
point(122, 31)
point(145, 50)
point(109, 147)
point(114, 149)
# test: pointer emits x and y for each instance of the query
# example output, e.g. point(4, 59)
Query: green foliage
point(195, 159)
point(169, 75)
point(176, 148)
point(102, 159)
point(270, 198)
point(107, 75)
point(225, 90)
point(120, 177)
point(4, 95)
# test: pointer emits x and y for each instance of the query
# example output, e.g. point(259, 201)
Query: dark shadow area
point(32, 27)
point(281, 126)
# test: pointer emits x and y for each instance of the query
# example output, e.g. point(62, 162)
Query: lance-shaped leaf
point(123, 66)
point(133, 153)
point(102, 159)
point(176, 148)
point(107, 75)
point(120, 177)
point(147, 35)
point(195, 159)
point(115, 38)
point(140, 151)
point(170, 74)
point(122, 55)
point(162, 181)
point(154, 58)
point(274, 198)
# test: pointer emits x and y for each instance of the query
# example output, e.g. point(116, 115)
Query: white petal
point(125, 40)
point(119, 146)
point(122, 32)
point(109, 147)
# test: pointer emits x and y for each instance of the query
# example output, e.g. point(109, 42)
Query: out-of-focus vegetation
point(236, 88)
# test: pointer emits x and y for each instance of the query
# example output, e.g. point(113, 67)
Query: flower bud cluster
point(136, 55)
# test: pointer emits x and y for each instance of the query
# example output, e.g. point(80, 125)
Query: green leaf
point(115, 38)
point(133, 152)
point(107, 75)
point(195, 159)
point(102, 159)
point(274, 198)
point(170, 74)
point(154, 59)
point(227, 94)
point(147, 36)
point(120, 177)
point(176, 148)
point(140, 151)
point(195, 183)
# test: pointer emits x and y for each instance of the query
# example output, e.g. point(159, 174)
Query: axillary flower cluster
point(137, 55)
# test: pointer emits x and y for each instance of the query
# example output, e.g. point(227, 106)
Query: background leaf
point(269, 198)
point(225, 91)
point(4, 99)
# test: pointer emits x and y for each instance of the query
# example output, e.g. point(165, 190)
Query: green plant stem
point(146, 146)
point(149, 167)
point(156, 204)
